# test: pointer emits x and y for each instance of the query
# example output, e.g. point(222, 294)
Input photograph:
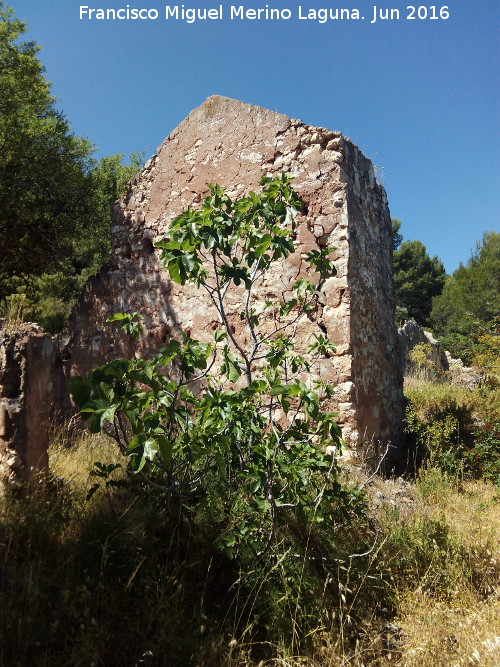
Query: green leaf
point(174, 270)
point(150, 448)
point(261, 246)
point(91, 491)
point(81, 390)
point(136, 452)
point(130, 322)
point(319, 260)
point(165, 446)
point(117, 317)
point(220, 335)
point(237, 273)
point(230, 367)
point(288, 389)
point(168, 352)
point(259, 385)
point(95, 423)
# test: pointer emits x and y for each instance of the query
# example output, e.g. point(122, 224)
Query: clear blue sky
point(419, 97)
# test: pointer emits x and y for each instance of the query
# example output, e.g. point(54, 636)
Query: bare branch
point(377, 469)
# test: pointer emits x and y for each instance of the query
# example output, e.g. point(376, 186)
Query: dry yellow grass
point(437, 634)
point(449, 625)
point(71, 458)
point(464, 630)
point(472, 510)
point(445, 611)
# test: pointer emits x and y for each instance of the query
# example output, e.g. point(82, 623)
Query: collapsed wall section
point(234, 144)
point(32, 386)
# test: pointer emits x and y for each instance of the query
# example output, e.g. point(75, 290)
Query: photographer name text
point(187, 14)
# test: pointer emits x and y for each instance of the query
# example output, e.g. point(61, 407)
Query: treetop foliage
point(474, 288)
point(55, 199)
point(469, 307)
point(43, 166)
point(417, 279)
point(463, 308)
point(397, 237)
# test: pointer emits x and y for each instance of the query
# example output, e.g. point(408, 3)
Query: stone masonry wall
point(233, 144)
point(32, 384)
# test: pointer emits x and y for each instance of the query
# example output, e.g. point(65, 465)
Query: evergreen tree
point(417, 279)
point(397, 237)
point(55, 200)
point(470, 302)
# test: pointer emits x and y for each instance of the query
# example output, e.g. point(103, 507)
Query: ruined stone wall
point(440, 362)
point(410, 335)
point(32, 386)
point(234, 144)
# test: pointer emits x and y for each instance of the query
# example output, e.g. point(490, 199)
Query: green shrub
point(483, 459)
point(458, 429)
point(258, 423)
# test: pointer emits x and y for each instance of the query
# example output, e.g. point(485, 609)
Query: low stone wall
point(441, 363)
point(32, 390)
point(411, 335)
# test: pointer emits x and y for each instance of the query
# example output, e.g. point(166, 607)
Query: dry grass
point(438, 634)
point(87, 582)
point(471, 507)
point(439, 556)
point(465, 628)
point(72, 455)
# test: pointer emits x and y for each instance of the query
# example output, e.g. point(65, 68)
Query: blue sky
point(419, 97)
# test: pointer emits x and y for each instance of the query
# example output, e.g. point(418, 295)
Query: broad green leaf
point(231, 366)
point(220, 335)
point(165, 446)
point(81, 390)
point(150, 448)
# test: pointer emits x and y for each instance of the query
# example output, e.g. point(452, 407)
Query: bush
point(458, 429)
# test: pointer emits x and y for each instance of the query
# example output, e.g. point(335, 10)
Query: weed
point(14, 311)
